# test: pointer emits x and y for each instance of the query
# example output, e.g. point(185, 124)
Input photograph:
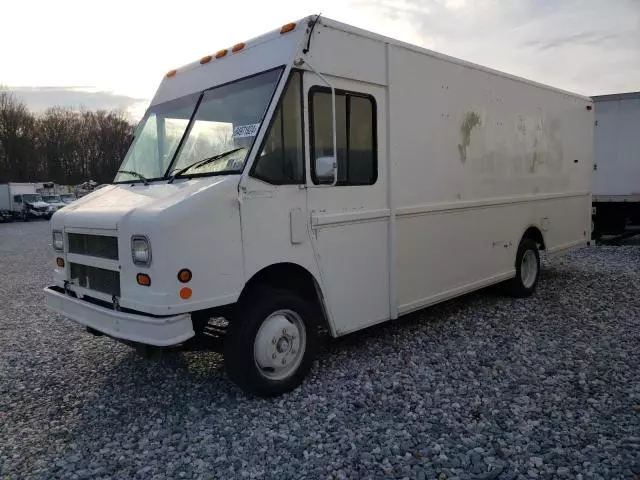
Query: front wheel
point(270, 344)
point(527, 270)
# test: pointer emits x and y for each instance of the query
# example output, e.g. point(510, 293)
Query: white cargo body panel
point(477, 158)
point(617, 138)
point(468, 160)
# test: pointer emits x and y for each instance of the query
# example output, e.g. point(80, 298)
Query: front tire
point(271, 343)
point(527, 270)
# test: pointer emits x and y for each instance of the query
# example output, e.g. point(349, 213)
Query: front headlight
point(58, 242)
point(140, 250)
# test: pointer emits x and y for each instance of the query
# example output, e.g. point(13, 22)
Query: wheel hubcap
point(529, 269)
point(279, 345)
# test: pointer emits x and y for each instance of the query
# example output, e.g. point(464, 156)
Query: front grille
point(94, 278)
point(93, 245)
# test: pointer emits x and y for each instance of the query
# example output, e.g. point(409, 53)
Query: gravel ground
point(480, 387)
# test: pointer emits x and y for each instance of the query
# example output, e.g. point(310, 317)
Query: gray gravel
point(482, 387)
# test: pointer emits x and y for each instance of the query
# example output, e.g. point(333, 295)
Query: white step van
point(321, 176)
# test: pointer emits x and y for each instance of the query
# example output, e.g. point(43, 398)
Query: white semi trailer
point(322, 175)
point(616, 192)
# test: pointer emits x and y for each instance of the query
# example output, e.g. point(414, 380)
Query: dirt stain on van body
point(471, 121)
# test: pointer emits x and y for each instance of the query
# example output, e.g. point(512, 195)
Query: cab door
point(349, 222)
point(273, 208)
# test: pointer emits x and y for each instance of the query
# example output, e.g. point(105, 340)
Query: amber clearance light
point(60, 262)
point(221, 53)
point(237, 47)
point(185, 293)
point(205, 59)
point(172, 73)
point(143, 279)
point(184, 275)
point(287, 28)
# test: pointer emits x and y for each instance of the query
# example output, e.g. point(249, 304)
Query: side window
point(356, 137)
point(281, 159)
point(17, 198)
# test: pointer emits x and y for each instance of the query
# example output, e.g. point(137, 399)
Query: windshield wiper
point(204, 161)
point(136, 174)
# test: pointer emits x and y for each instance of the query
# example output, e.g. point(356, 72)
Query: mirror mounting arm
point(333, 120)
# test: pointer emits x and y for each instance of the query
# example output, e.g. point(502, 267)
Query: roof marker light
point(205, 59)
point(221, 53)
point(237, 47)
point(172, 73)
point(287, 28)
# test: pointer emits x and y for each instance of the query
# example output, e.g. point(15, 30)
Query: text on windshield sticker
point(241, 131)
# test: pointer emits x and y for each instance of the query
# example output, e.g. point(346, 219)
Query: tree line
point(62, 145)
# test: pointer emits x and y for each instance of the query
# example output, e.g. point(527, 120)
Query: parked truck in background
point(616, 191)
point(54, 200)
point(20, 201)
point(322, 176)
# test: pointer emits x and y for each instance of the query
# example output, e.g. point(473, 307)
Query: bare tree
point(62, 145)
point(17, 153)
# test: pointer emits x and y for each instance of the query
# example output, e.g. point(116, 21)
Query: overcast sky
point(113, 54)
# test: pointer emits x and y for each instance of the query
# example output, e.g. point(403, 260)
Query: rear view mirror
point(325, 169)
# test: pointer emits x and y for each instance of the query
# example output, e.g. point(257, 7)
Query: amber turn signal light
point(184, 275)
point(60, 262)
point(185, 293)
point(143, 279)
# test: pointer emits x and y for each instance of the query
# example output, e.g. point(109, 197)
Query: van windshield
point(182, 132)
point(30, 197)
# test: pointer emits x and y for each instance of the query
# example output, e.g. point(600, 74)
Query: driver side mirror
point(325, 168)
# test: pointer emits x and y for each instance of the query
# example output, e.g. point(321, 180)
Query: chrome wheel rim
point(529, 269)
point(279, 345)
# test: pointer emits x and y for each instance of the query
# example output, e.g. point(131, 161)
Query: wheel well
point(535, 234)
point(292, 277)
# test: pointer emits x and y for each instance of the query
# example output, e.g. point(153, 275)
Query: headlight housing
point(140, 250)
point(58, 241)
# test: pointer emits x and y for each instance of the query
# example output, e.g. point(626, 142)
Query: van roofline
point(441, 56)
point(346, 28)
point(249, 43)
point(616, 96)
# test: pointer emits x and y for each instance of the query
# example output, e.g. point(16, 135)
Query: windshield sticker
point(242, 131)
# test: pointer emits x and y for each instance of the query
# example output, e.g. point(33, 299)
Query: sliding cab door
point(349, 221)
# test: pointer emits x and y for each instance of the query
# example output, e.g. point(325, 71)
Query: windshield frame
point(187, 131)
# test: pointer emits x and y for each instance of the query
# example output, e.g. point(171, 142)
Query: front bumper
point(158, 331)
point(39, 213)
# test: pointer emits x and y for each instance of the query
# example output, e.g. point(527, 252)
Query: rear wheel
point(527, 270)
point(270, 344)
